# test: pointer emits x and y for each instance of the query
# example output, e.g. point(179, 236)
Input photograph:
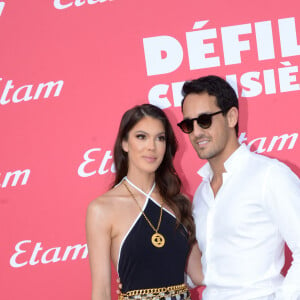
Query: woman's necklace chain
point(157, 239)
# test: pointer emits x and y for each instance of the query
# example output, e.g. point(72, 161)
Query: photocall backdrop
point(69, 69)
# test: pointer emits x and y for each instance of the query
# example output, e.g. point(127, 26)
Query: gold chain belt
point(170, 290)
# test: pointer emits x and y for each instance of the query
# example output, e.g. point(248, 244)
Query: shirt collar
point(233, 162)
point(206, 172)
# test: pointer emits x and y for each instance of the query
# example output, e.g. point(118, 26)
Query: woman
point(143, 224)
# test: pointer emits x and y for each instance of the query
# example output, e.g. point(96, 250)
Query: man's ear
point(125, 146)
point(232, 116)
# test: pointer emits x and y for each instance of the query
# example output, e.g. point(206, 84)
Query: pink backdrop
point(68, 71)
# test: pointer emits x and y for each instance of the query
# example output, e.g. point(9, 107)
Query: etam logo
point(28, 92)
point(98, 161)
point(275, 143)
point(63, 4)
point(31, 253)
point(14, 178)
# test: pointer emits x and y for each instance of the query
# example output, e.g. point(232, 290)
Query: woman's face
point(146, 145)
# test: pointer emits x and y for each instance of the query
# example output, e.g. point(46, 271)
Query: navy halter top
point(141, 265)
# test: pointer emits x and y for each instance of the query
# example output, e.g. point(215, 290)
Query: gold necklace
point(157, 239)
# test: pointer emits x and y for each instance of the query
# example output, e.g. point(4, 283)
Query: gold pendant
point(158, 240)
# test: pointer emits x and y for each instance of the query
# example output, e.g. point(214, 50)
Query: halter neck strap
point(140, 190)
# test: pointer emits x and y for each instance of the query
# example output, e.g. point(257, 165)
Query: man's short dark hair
point(213, 86)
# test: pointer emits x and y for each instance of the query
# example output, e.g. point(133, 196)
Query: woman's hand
point(118, 291)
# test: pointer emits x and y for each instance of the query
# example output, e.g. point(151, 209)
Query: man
point(247, 205)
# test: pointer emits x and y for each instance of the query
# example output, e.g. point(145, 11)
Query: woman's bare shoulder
point(107, 203)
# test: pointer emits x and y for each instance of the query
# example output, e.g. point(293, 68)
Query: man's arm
point(194, 267)
point(282, 195)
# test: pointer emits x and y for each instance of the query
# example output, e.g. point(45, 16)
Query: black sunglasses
point(204, 121)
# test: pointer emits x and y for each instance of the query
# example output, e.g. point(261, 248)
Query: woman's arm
point(98, 235)
point(194, 266)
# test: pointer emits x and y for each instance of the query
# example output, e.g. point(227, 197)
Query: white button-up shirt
point(241, 231)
